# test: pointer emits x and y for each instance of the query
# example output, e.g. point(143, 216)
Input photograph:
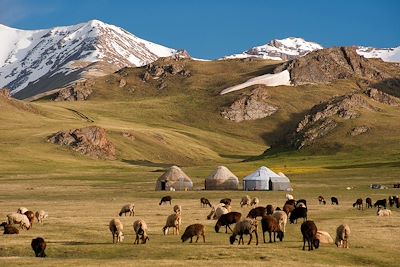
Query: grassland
point(181, 125)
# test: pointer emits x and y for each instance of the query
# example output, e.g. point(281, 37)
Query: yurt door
point(162, 185)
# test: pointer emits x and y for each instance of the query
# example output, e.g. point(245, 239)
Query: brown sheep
point(166, 199)
point(39, 245)
point(204, 202)
point(342, 236)
point(309, 232)
point(9, 229)
point(257, 212)
point(194, 230)
point(245, 227)
point(227, 219)
point(368, 202)
point(269, 209)
point(270, 224)
point(358, 204)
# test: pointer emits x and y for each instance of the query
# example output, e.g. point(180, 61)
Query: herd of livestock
point(272, 220)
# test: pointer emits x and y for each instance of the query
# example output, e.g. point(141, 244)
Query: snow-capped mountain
point(386, 54)
point(285, 49)
point(28, 58)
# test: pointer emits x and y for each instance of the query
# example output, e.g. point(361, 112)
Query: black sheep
point(269, 209)
point(368, 202)
point(321, 200)
point(334, 201)
point(257, 212)
point(309, 232)
point(9, 229)
point(226, 201)
point(165, 199)
point(39, 245)
point(301, 201)
point(227, 219)
point(204, 202)
point(297, 213)
point(381, 203)
point(358, 203)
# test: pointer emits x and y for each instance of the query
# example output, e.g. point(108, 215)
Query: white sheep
point(342, 236)
point(178, 209)
point(140, 228)
point(245, 201)
point(324, 237)
point(254, 201)
point(218, 210)
point(127, 208)
point(289, 197)
point(282, 218)
point(116, 228)
point(248, 227)
point(41, 215)
point(22, 210)
point(21, 219)
point(384, 212)
point(173, 221)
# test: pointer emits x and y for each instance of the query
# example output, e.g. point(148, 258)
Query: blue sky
point(214, 28)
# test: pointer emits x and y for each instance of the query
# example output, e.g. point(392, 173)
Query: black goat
point(165, 199)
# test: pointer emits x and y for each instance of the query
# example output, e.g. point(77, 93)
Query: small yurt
point(258, 180)
point(280, 183)
point(221, 179)
point(174, 179)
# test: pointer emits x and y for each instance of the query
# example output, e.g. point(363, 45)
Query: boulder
point(382, 97)
point(78, 91)
point(359, 130)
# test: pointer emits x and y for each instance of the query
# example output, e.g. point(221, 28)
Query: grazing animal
point(128, 208)
point(270, 224)
point(368, 202)
point(254, 201)
point(301, 203)
point(173, 221)
point(245, 227)
point(381, 203)
point(342, 236)
point(397, 201)
point(384, 212)
point(39, 245)
point(288, 208)
point(217, 211)
point(257, 212)
point(289, 197)
point(269, 209)
point(226, 201)
point(324, 237)
point(204, 202)
point(391, 201)
point(245, 201)
point(41, 215)
point(291, 202)
point(282, 218)
point(140, 228)
point(9, 229)
point(297, 213)
point(22, 210)
point(31, 216)
point(227, 219)
point(21, 219)
point(334, 201)
point(165, 199)
point(358, 204)
point(321, 200)
point(116, 228)
point(178, 209)
point(309, 232)
point(194, 230)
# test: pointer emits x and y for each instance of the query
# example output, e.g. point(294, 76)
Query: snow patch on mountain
point(386, 54)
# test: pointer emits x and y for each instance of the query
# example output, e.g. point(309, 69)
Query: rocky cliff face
point(91, 141)
point(80, 90)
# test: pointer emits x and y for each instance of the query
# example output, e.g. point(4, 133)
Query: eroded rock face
point(76, 92)
point(5, 93)
point(250, 107)
point(321, 119)
point(330, 64)
point(382, 97)
point(91, 141)
point(359, 130)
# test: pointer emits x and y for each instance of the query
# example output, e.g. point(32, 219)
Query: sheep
point(254, 201)
point(391, 201)
point(165, 199)
point(309, 232)
point(298, 213)
point(204, 202)
point(301, 203)
point(41, 215)
point(282, 218)
point(39, 245)
point(269, 209)
point(342, 236)
point(289, 197)
point(245, 227)
point(288, 208)
point(397, 201)
point(358, 203)
point(226, 220)
point(140, 228)
point(226, 201)
point(116, 228)
point(381, 202)
point(218, 210)
point(270, 224)
point(321, 200)
point(324, 237)
point(173, 221)
point(245, 201)
point(257, 212)
point(31, 216)
point(291, 202)
point(127, 208)
point(384, 212)
point(20, 219)
point(368, 202)
point(334, 201)
point(178, 209)
point(9, 229)
point(22, 210)
point(194, 230)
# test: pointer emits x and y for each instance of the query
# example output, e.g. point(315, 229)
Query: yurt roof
point(174, 173)
point(221, 173)
point(262, 173)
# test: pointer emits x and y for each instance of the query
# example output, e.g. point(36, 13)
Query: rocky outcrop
point(91, 141)
point(359, 130)
point(382, 97)
point(327, 65)
point(321, 119)
point(250, 107)
point(77, 91)
point(5, 93)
